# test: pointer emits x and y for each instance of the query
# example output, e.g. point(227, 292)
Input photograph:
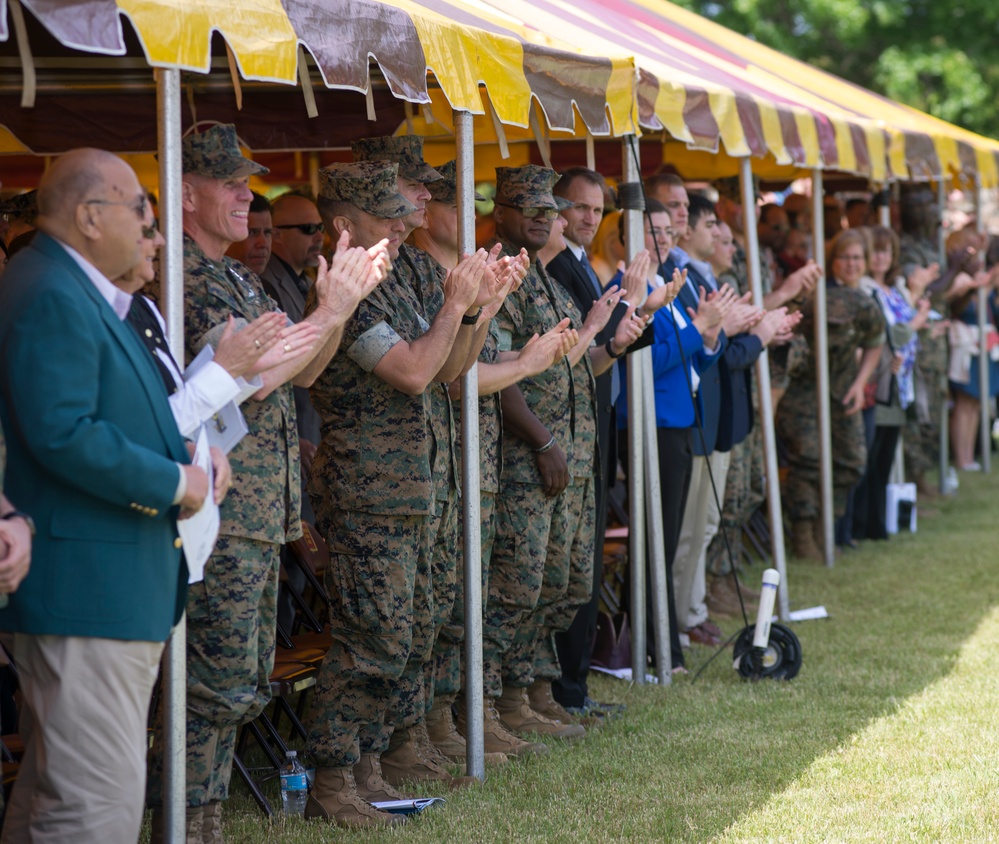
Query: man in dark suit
point(584, 189)
point(95, 456)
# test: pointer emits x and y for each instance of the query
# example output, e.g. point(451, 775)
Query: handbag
point(612, 642)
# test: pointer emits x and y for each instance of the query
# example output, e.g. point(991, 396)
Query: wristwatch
point(17, 514)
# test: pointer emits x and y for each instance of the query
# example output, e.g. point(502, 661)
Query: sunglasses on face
point(305, 228)
point(531, 213)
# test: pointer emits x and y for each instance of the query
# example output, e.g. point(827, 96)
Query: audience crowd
point(329, 337)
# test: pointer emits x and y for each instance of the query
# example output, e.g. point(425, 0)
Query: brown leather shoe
point(497, 739)
point(517, 716)
point(334, 798)
point(370, 784)
point(702, 636)
point(539, 696)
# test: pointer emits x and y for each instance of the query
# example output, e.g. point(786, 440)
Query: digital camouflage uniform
point(532, 531)
point(565, 590)
point(426, 278)
point(854, 322)
point(921, 437)
point(231, 613)
point(372, 493)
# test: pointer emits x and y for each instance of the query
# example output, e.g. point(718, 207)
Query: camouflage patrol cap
point(371, 186)
point(404, 150)
point(215, 153)
point(529, 186)
point(563, 204)
point(23, 206)
point(445, 189)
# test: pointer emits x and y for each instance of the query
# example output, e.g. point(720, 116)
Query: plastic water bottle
point(294, 785)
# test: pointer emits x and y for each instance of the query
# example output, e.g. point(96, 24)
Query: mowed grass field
point(890, 733)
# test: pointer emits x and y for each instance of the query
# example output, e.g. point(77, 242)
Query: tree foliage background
point(940, 56)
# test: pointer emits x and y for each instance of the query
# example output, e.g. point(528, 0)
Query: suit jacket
point(568, 271)
point(709, 391)
point(280, 284)
point(92, 455)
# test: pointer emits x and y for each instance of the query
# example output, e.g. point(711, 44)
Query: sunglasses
point(531, 213)
point(138, 206)
point(305, 228)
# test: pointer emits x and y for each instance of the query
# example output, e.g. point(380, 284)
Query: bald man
point(95, 456)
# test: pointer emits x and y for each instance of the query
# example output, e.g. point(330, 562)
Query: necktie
point(615, 374)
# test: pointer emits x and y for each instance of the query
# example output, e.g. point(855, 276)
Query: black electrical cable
point(697, 416)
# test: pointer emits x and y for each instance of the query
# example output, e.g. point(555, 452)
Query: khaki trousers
point(83, 775)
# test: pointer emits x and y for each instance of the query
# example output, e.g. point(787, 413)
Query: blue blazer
point(92, 452)
point(671, 349)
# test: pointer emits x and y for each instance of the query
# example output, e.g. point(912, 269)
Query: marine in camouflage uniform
point(372, 493)
point(425, 276)
point(921, 436)
point(854, 322)
point(532, 530)
point(231, 613)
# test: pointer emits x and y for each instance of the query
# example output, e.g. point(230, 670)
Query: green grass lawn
point(888, 734)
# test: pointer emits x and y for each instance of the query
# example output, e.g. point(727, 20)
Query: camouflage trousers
point(230, 654)
point(443, 671)
point(921, 437)
point(565, 589)
point(798, 426)
point(510, 626)
point(381, 621)
point(745, 491)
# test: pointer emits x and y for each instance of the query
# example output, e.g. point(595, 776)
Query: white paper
point(809, 614)
point(199, 532)
point(226, 428)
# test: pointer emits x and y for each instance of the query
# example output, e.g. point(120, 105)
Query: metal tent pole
point(471, 517)
point(984, 433)
point(633, 242)
point(884, 212)
point(174, 662)
point(944, 459)
point(822, 374)
point(774, 509)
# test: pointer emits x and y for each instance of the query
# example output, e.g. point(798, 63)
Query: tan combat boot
point(540, 697)
point(211, 823)
point(803, 541)
point(405, 762)
point(497, 739)
point(334, 798)
point(193, 824)
point(369, 781)
point(517, 716)
point(448, 740)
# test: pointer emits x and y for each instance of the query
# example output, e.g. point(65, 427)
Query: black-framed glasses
point(305, 228)
point(139, 205)
point(531, 213)
point(149, 232)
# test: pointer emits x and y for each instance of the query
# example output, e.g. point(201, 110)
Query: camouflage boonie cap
point(215, 153)
point(23, 206)
point(529, 186)
point(445, 189)
point(371, 186)
point(404, 150)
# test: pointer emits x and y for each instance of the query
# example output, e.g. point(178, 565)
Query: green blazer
point(92, 453)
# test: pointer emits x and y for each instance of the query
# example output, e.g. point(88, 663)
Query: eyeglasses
point(138, 206)
point(149, 232)
point(305, 228)
point(531, 213)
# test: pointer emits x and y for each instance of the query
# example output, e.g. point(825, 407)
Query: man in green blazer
point(95, 457)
